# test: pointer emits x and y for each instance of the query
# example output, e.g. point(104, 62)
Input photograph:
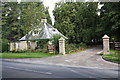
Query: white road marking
point(28, 70)
point(78, 72)
point(72, 70)
point(68, 60)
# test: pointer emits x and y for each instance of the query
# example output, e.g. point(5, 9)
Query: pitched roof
point(43, 31)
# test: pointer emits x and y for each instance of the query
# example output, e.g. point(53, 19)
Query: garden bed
point(76, 50)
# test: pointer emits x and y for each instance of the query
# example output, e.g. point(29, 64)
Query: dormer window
point(53, 29)
point(35, 32)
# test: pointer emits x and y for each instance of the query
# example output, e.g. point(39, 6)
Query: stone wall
point(33, 45)
point(22, 45)
point(12, 46)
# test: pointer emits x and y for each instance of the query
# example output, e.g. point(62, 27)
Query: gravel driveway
point(89, 58)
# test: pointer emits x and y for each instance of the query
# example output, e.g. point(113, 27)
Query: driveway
point(89, 58)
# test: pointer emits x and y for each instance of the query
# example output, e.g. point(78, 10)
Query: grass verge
point(25, 55)
point(114, 56)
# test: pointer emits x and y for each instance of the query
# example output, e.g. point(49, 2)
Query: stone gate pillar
point(62, 46)
point(106, 49)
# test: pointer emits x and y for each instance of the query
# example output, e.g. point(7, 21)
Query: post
point(106, 49)
point(62, 46)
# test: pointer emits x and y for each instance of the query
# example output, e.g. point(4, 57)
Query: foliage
point(83, 44)
point(76, 20)
point(41, 44)
point(81, 23)
point(109, 20)
point(75, 47)
point(56, 42)
point(4, 44)
point(70, 47)
point(19, 19)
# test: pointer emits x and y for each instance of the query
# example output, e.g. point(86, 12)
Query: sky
point(51, 5)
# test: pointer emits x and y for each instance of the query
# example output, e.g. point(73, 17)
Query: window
point(53, 29)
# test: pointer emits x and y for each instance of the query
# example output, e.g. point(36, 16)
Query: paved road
point(89, 58)
point(13, 69)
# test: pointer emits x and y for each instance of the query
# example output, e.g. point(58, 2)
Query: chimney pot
point(43, 20)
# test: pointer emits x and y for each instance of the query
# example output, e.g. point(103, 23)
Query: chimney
point(43, 20)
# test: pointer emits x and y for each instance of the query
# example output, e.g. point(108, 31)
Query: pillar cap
point(105, 37)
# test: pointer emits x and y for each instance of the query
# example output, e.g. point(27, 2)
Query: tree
point(19, 19)
point(9, 20)
point(76, 20)
point(110, 21)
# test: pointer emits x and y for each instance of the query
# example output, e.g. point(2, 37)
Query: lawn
point(25, 55)
point(114, 56)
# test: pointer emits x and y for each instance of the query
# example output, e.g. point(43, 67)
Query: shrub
point(83, 44)
point(41, 44)
point(4, 43)
point(56, 42)
point(70, 47)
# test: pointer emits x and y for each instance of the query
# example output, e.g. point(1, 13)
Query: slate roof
point(43, 31)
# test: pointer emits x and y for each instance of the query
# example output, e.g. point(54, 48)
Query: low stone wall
point(22, 45)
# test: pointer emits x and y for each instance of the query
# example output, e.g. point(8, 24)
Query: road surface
point(89, 58)
point(12, 69)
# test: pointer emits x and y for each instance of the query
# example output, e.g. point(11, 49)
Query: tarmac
point(89, 58)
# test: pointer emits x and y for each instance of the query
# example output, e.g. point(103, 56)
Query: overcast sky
point(51, 5)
